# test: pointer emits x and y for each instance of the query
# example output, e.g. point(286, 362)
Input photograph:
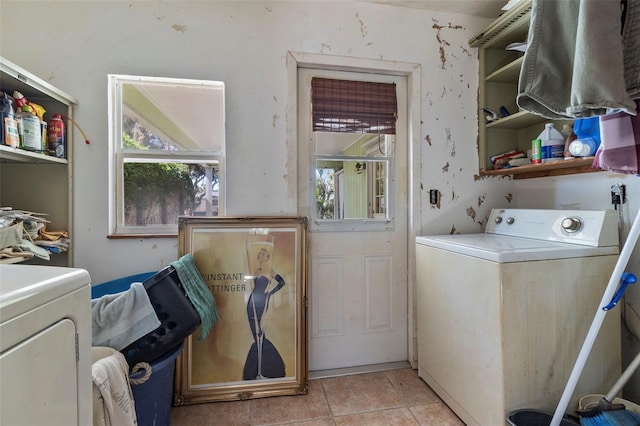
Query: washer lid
point(505, 249)
point(25, 287)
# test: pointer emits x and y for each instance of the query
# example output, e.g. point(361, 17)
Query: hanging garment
point(574, 65)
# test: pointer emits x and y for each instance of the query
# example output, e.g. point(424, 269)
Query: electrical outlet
point(618, 195)
point(434, 196)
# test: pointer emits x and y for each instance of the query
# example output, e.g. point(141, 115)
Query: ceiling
point(481, 8)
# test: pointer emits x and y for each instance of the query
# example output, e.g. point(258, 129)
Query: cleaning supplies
point(552, 144)
point(56, 137)
point(587, 131)
point(9, 124)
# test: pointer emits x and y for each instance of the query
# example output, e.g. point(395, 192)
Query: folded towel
point(574, 64)
point(619, 149)
point(198, 292)
point(122, 318)
point(111, 377)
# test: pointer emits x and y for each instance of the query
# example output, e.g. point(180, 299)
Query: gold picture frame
point(256, 269)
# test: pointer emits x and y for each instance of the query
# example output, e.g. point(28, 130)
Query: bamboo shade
point(353, 106)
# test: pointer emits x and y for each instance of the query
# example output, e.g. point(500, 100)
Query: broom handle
point(598, 318)
point(624, 378)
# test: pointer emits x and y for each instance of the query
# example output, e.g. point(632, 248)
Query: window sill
point(139, 236)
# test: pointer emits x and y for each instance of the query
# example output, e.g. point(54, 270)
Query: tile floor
point(390, 397)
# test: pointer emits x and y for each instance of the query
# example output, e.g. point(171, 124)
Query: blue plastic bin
point(119, 285)
point(153, 398)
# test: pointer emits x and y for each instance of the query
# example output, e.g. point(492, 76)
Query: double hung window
point(167, 152)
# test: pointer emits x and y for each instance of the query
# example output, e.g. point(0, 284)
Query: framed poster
point(256, 269)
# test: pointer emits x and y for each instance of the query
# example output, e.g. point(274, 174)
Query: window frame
point(118, 156)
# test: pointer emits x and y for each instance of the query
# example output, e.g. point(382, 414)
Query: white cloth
point(574, 66)
point(116, 407)
point(122, 318)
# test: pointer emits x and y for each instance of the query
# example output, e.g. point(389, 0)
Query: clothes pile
point(24, 234)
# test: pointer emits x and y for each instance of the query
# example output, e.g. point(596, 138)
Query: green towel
point(198, 293)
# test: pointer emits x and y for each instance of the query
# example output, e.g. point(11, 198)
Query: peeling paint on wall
point(481, 199)
point(445, 168)
point(471, 213)
point(453, 230)
point(454, 196)
point(428, 139)
point(442, 42)
point(325, 46)
point(509, 197)
point(363, 27)
point(275, 119)
point(179, 28)
point(453, 147)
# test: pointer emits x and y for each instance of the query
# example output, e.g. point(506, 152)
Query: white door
point(358, 276)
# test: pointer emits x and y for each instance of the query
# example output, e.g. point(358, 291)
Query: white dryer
point(502, 314)
point(45, 346)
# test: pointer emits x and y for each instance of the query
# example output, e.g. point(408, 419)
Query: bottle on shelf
point(9, 123)
point(56, 137)
point(552, 144)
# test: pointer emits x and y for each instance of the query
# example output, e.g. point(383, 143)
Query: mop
point(598, 318)
point(606, 412)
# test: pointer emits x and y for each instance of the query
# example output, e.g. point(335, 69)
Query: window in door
point(166, 152)
point(353, 139)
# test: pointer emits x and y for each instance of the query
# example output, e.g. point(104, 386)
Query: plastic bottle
point(552, 144)
point(56, 137)
point(29, 131)
point(569, 136)
point(9, 124)
point(587, 131)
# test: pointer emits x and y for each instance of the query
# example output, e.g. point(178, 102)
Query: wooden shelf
point(555, 168)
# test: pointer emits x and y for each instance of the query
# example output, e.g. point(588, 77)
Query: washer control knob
point(571, 224)
point(510, 221)
point(498, 220)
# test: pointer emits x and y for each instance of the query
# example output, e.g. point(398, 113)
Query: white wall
point(74, 45)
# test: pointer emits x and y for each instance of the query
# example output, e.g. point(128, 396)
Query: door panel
point(358, 276)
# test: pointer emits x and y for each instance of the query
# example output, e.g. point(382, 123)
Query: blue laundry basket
point(153, 398)
point(160, 348)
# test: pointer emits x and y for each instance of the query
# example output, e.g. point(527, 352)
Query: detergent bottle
point(552, 144)
point(587, 131)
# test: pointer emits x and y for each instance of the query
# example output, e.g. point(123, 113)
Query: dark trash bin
point(535, 418)
point(178, 318)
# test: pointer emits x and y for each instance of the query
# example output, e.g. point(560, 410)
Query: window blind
point(353, 106)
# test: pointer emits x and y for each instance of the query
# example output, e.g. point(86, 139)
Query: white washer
point(502, 315)
point(45, 346)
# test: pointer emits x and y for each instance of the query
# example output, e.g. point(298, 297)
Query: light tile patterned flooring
point(391, 397)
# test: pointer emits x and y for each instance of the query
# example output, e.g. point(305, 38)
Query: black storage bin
point(178, 318)
point(536, 418)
